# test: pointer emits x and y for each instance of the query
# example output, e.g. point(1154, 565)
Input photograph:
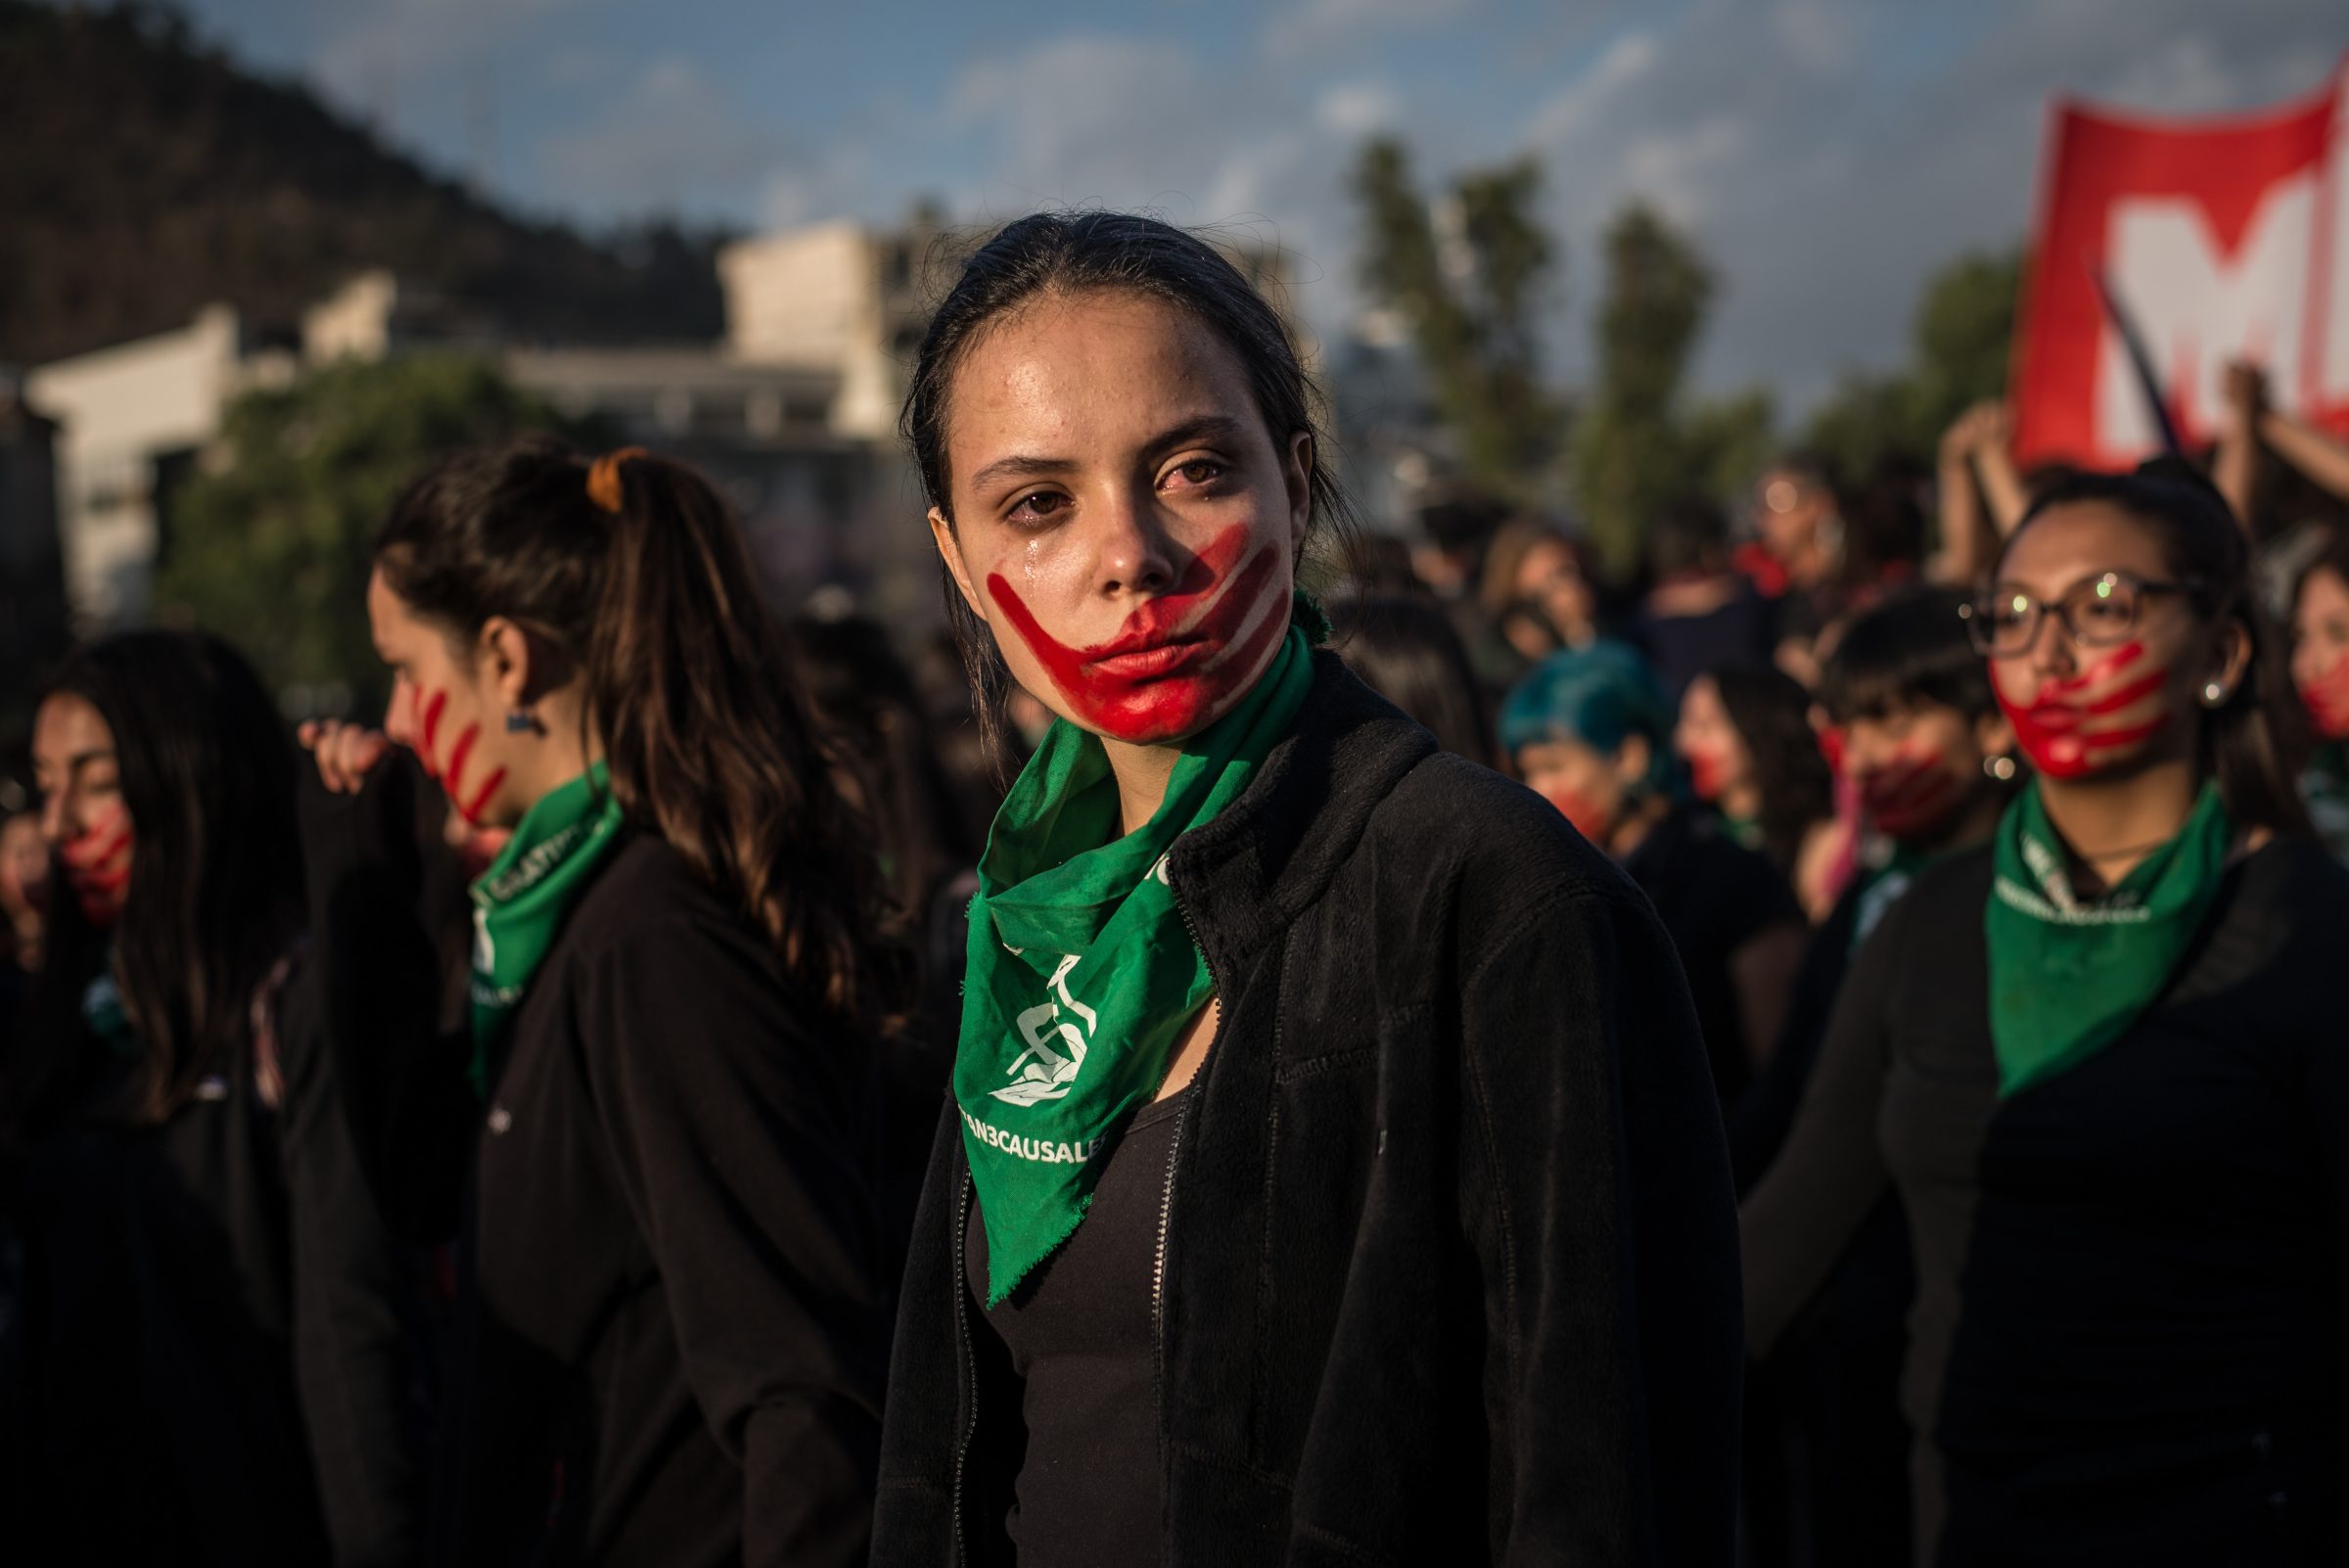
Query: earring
point(2000, 767)
point(2214, 695)
point(520, 720)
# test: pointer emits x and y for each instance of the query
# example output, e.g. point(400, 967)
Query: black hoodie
point(1449, 1255)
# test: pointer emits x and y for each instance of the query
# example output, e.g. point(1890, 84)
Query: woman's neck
point(1741, 803)
point(2114, 824)
point(1142, 774)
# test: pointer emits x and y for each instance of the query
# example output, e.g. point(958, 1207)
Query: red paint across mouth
point(1708, 775)
point(2064, 729)
point(1913, 795)
point(97, 867)
point(1176, 658)
point(2326, 699)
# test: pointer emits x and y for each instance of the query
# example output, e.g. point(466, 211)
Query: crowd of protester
point(1813, 1052)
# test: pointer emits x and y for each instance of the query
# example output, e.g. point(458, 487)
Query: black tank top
point(1079, 1333)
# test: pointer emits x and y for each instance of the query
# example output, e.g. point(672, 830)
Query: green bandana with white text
point(519, 905)
point(1083, 973)
point(2068, 978)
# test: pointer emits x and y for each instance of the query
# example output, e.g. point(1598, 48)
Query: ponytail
point(637, 569)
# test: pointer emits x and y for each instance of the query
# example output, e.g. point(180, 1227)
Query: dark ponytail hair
point(215, 896)
point(1072, 254)
point(690, 686)
point(2251, 744)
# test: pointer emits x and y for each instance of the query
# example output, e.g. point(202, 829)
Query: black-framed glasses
point(2099, 613)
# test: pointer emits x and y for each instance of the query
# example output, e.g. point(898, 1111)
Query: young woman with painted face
point(2093, 1058)
point(1333, 1171)
point(2320, 674)
point(1589, 731)
point(1922, 744)
point(214, 1363)
point(1745, 734)
point(672, 1321)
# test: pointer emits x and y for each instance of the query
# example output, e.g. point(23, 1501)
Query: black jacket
point(215, 1345)
point(673, 1316)
point(1449, 1266)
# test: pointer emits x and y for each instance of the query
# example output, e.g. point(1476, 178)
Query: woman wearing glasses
point(2101, 1060)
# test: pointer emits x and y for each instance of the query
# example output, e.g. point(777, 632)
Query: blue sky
point(1826, 154)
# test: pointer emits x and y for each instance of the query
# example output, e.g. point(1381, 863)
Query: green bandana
point(2066, 977)
point(1083, 974)
point(520, 902)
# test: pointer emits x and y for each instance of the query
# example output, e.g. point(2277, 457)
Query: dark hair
point(1070, 254)
point(215, 896)
point(2332, 557)
point(864, 696)
point(1406, 651)
point(1910, 649)
point(1771, 714)
point(1688, 533)
point(1600, 696)
point(2251, 744)
point(689, 683)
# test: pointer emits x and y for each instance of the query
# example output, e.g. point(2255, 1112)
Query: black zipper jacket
point(673, 1314)
point(1447, 1258)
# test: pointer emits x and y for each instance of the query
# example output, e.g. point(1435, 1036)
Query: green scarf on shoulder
point(2068, 978)
point(520, 904)
point(1083, 974)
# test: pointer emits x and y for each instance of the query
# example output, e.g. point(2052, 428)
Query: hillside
point(144, 173)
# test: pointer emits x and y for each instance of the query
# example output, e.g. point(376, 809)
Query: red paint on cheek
point(1177, 658)
point(1831, 746)
point(469, 804)
point(2072, 728)
point(1589, 818)
point(429, 724)
point(2326, 699)
point(1709, 775)
point(472, 807)
point(97, 867)
point(1914, 794)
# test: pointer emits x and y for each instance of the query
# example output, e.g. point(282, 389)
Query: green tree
point(1959, 337)
point(269, 543)
point(1632, 447)
point(1469, 277)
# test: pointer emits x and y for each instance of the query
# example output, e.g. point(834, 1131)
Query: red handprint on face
point(2073, 726)
point(97, 865)
point(1178, 657)
point(1911, 794)
point(2326, 699)
point(469, 804)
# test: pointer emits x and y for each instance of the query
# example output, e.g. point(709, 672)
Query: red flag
point(2217, 240)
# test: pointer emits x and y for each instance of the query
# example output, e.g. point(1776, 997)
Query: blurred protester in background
point(1589, 731)
point(1538, 591)
point(1746, 736)
point(1915, 726)
point(214, 1360)
point(1375, 566)
point(1798, 549)
point(669, 1342)
point(2254, 429)
point(2320, 631)
point(23, 895)
point(1406, 651)
point(865, 700)
point(2094, 1057)
point(1701, 614)
point(1233, 892)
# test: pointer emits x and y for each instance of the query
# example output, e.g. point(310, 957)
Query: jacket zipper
point(1166, 1202)
point(970, 1361)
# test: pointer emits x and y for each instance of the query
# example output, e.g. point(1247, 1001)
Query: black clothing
point(1448, 1270)
point(1741, 634)
point(1835, 1375)
point(1078, 1331)
point(2126, 1344)
point(669, 1339)
point(1713, 895)
point(215, 1354)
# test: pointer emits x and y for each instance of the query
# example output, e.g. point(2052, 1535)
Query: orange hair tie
point(603, 477)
